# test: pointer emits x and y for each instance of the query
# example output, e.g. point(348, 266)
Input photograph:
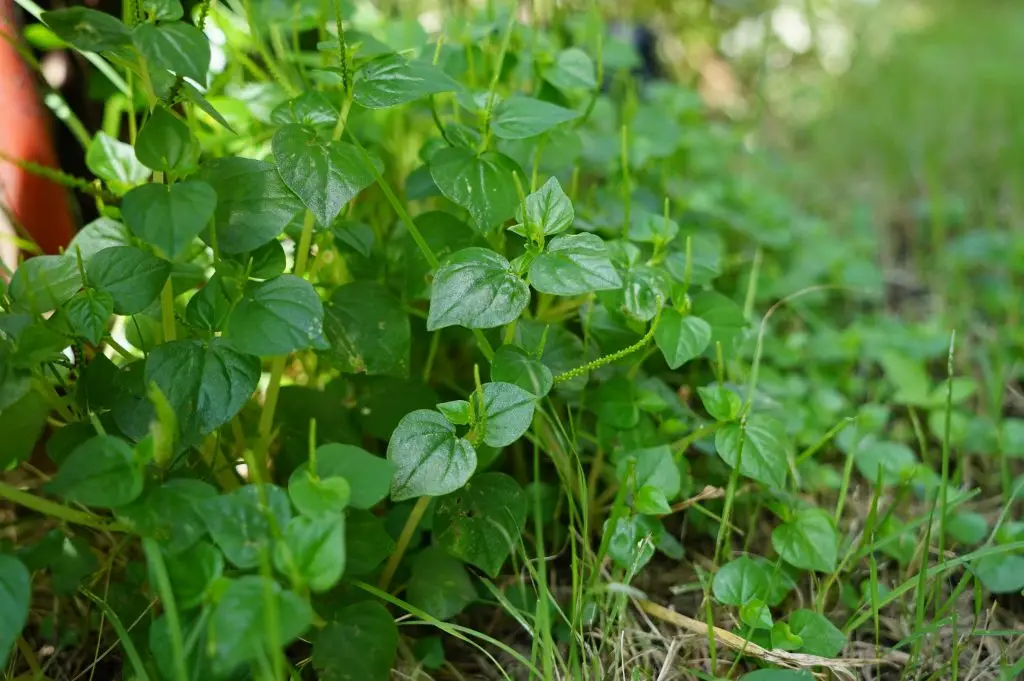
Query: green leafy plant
point(374, 323)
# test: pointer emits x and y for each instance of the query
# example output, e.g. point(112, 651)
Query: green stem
point(55, 510)
point(413, 521)
point(167, 312)
point(417, 236)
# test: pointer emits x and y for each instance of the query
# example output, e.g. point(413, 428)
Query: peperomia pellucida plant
point(372, 317)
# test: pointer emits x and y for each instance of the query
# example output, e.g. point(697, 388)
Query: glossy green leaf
point(680, 338)
point(209, 308)
point(783, 637)
point(193, 571)
point(724, 316)
point(177, 47)
point(755, 614)
point(508, 413)
point(367, 543)
point(808, 541)
point(324, 175)
point(631, 544)
point(739, 581)
point(391, 80)
point(164, 10)
point(169, 217)
point(520, 117)
point(721, 403)
point(114, 161)
point(614, 403)
point(652, 228)
point(819, 635)
point(169, 514)
point(164, 142)
point(254, 204)
point(276, 317)
point(360, 645)
point(457, 412)
point(42, 283)
point(314, 548)
point(309, 108)
point(548, 211)
point(482, 184)
point(480, 524)
point(238, 629)
point(573, 265)
point(572, 70)
point(643, 290)
point(238, 524)
point(88, 313)
point(100, 472)
point(368, 330)
point(132, 277)
point(317, 497)
point(651, 500)
point(476, 288)
point(369, 476)
point(652, 466)
point(967, 527)
point(513, 365)
point(439, 584)
point(1000, 573)
point(88, 29)
point(206, 384)
point(763, 440)
point(15, 598)
point(429, 459)
point(894, 462)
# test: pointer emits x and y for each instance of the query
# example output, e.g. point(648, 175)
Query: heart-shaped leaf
point(88, 313)
point(315, 549)
point(764, 451)
point(520, 117)
point(168, 514)
point(100, 472)
point(808, 541)
point(429, 459)
point(680, 338)
point(819, 636)
point(368, 476)
point(573, 265)
point(87, 29)
point(324, 175)
point(239, 524)
point(177, 47)
point(360, 645)
point(548, 211)
point(169, 217)
point(368, 330)
point(481, 523)
point(439, 584)
point(42, 283)
point(652, 466)
point(132, 277)
point(114, 161)
point(391, 80)
point(164, 142)
point(482, 184)
point(508, 413)
point(276, 317)
point(205, 384)
point(476, 288)
point(254, 205)
point(513, 365)
point(238, 629)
